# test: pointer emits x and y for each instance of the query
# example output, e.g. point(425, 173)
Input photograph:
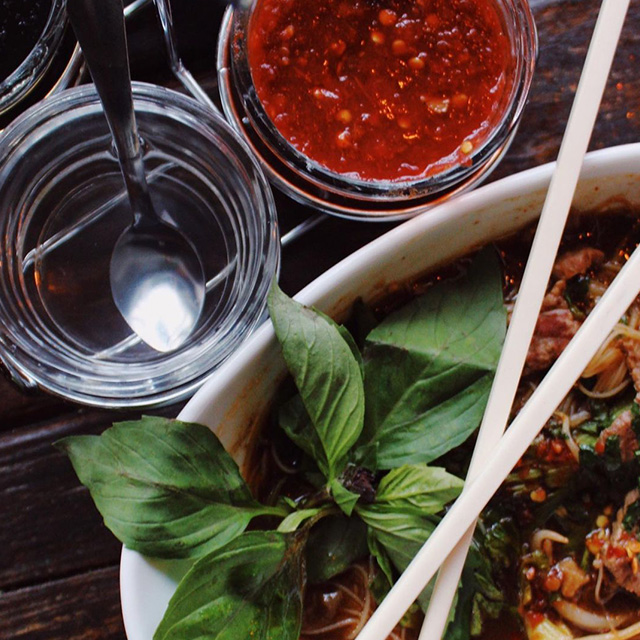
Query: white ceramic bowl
point(236, 397)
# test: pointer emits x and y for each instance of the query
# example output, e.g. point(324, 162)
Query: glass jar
point(309, 182)
point(62, 208)
point(52, 64)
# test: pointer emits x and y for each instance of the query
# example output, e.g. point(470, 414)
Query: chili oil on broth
point(568, 567)
point(391, 91)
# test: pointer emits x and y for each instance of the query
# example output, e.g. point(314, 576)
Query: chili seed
point(539, 494)
point(404, 123)
point(344, 116)
point(387, 17)
point(437, 105)
point(399, 47)
point(377, 37)
point(338, 47)
point(343, 140)
point(287, 32)
point(416, 63)
point(467, 147)
point(433, 21)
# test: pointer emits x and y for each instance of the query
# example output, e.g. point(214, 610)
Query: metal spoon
point(157, 279)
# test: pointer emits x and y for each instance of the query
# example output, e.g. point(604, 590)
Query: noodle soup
point(236, 402)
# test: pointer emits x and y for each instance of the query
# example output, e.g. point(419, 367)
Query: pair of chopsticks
point(496, 454)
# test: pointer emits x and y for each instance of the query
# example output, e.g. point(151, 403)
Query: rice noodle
point(601, 395)
point(609, 362)
point(629, 633)
point(566, 430)
point(285, 468)
point(588, 620)
point(358, 614)
point(546, 534)
point(579, 417)
point(334, 626)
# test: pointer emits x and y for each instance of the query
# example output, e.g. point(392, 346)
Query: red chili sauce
point(381, 89)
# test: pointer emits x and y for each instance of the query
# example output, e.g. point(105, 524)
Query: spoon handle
point(100, 29)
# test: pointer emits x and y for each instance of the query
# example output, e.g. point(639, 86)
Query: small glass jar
point(62, 208)
point(52, 65)
point(309, 182)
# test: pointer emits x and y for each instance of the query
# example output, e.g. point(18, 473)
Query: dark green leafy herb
point(418, 489)
point(250, 589)
point(296, 423)
point(335, 543)
point(164, 488)
point(429, 366)
point(575, 294)
point(293, 521)
point(326, 373)
point(344, 498)
point(478, 598)
point(397, 536)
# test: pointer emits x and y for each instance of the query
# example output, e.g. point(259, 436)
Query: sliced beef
point(554, 330)
point(623, 429)
point(555, 297)
point(576, 262)
point(620, 552)
point(556, 324)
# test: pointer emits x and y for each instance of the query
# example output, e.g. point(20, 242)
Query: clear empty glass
point(62, 208)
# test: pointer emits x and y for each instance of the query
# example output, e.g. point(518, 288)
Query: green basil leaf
point(347, 337)
point(418, 489)
point(165, 488)
point(251, 588)
point(326, 373)
point(378, 551)
point(295, 519)
point(335, 543)
point(400, 535)
point(296, 423)
point(344, 498)
point(429, 367)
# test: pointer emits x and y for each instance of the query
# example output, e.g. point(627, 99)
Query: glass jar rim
point(22, 80)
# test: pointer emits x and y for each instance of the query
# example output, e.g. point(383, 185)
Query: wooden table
point(58, 563)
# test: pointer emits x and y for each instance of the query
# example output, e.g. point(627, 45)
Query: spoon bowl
point(157, 284)
point(156, 275)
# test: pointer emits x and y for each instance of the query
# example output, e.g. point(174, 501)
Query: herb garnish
point(368, 422)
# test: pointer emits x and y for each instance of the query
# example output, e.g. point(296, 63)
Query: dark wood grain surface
point(58, 563)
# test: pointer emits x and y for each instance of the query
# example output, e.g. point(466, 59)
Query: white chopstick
point(540, 407)
point(538, 270)
point(552, 222)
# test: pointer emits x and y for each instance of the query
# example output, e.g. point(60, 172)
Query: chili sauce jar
point(376, 109)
